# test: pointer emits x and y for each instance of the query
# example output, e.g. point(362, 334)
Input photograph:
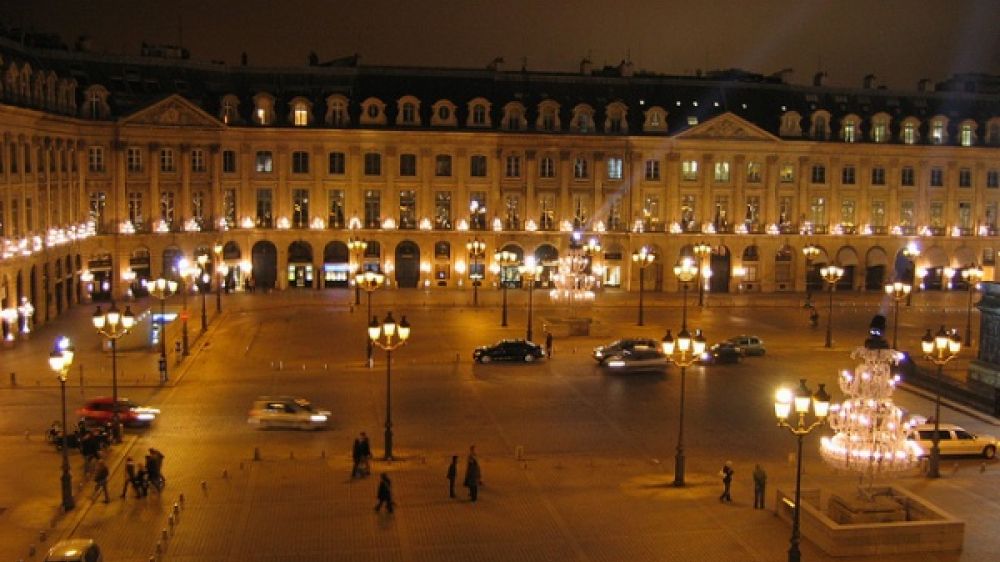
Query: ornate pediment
point(728, 126)
point(172, 111)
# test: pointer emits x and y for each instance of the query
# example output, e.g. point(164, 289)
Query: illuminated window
point(966, 135)
point(547, 168)
point(787, 173)
point(722, 171)
point(265, 161)
point(753, 172)
point(614, 168)
point(909, 133)
point(652, 170)
point(300, 117)
point(689, 170)
point(937, 132)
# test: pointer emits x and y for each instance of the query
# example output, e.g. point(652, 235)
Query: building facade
point(112, 169)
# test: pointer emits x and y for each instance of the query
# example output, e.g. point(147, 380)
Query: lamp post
point(910, 252)
point(161, 289)
point(476, 249)
point(369, 281)
point(504, 260)
point(785, 399)
point(388, 336)
point(831, 274)
point(220, 271)
point(203, 284)
point(899, 292)
point(357, 248)
point(683, 352)
point(128, 277)
point(60, 361)
point(939, 349)
point(530, 272)
point(27, 311)
point(685, 272)
point(113, 325)
point(184, 271)
point(643, 258)
point(810, 251)
point(972, 275)
point(701, 250)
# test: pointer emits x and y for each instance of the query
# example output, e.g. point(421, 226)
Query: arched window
point(513, 117)
point(939, 130)
point(791, 124)
point(615, 118)
point(336, 111)
point(548, 116)
point(263, 109)
point(479, 113)
point(849, 128)
point(880, 128)
point(373, 112)
point(301, 112)
point(820, 126)
point(408, 108)
point(583, 119)
point(229, 112)
point(656, 119)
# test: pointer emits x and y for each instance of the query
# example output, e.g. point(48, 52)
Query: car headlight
point(317, 418)
point(616, 363)
point(706, 356)
point(598, 353)
point(145, 416)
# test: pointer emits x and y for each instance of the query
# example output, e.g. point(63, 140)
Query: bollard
point(159, 547)
point(256, 453)
point(170, 521)
point(181, 498)
point(152, 559)
point(303, 366)
point(281, 365)
point(164, 534)
point(519, 452)
point(31, 550)
point(27, 434)
point(177, 507)
point(13, 378)
point(982, 468)
point(225, 473)
point(458, 358)
point(326, 367)
point(41, 536)
point(204, 485)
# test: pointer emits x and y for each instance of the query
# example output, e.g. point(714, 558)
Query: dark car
point(99, 411)
point(721, 353)
point(602, 352)
point(509, 350)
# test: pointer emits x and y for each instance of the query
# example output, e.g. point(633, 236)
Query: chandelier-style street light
point(899, 292)
point(477, 250)
point(831, 274)
point(972, 275)
point(810, 251)
point(574, 280)
point(911, 252)
point(369, 281)
point(357, 248)
point(113, 325)
point(685, 272)
point(939, 349)
point(701, 251)
point(60, 361)
point(161, 289)
point(643, 258)
point(388, 336)
point(504, 259)
point(683, 352)
point(530, 273)
point(221, 270)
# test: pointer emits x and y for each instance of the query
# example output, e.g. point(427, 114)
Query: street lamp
point(785, 399)
point(369, 281)
point(643, 257)
point(530, 273)
point(831, 274)
point(9, 316)
point(388, 336)
point(60, 361)
point(899, 291)
point(27, 311)
point(972, 275)
point(203, 284)
point(701, 250)
point(810, 251)
point(128, 277)
point(357, 248)
point(476, 249)
point(220, 270)
point(185, 270)
point(685, 272)
point(113, 325)
point(683, 352)
point(504, 260)
point(910, 252)
point(939, 349)
point(87, 278)
point(162, 289)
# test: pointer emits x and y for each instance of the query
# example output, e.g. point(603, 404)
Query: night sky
point(900, 41)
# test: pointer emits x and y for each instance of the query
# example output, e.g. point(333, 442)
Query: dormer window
point(615, 122)
point(938, 133)
point(790, 124)
point(229, 113)
point(300, 117)
point(548, 116)
point(479, 115)
point(373, 112)
point(967, 136)
point(583, 119)
point(880, 128)
point(444, 113)
point(820, 128)
point(264, 108)
point(850, 132)
point(93, 106)
point(909, 133)
point(513, 117)
point(655, 120)
point(336, 111)
point(409, 114)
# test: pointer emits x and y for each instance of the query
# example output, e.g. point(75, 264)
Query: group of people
point(361, 453)
point(139, 476)
point(473, 480)
point(759, 484)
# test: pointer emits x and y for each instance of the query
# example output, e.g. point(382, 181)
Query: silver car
point(748, 345)
point(287, 412)
point(74, 550)
point(637, 359)
point(603, 352)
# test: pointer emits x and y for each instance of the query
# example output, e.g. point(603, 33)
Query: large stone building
point(112, 168)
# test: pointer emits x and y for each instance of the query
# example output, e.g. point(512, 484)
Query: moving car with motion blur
point(509, 350)
point(721, 353)
point(74, 550)
point(101, 410)
point(287, 412)
point(636, 360)
point(953, 440)
point(603, 352)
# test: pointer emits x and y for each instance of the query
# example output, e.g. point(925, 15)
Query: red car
point(99, 411)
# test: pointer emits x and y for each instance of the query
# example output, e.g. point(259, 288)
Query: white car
point(953, 440)
point(287, 412)
point(74, 550)
point(637, 359)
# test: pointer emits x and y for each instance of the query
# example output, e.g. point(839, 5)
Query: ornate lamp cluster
point(574, 280)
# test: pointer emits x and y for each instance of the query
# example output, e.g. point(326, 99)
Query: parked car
point(720, 353)
point(953, 440)
point(100, 411)
point(748, 345)
point(287, 412)
point(637, 359)
point(509, 350)
point(74, 550)
point(602, 352)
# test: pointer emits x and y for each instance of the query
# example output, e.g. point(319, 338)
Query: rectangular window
point(937, 214)
point(907, 177)
point(512, 212)
point(442, 210)
point(818, 173)
point(265, 161)
point(878, 175)
point(878, 214)
point(335, 208)
point(547, 168)
point(29, 214)
point(300, 208)
point(817, 211)
point(513, 169)
point(407, 209)
point(965, 136)
point(337, 164)
point(167, 209)
point(652, 170)
point(965, 177)
point(787, 174)
point(373, 209)
point(722, 171)
point(95, 159)
point(651, 219)
point(992, 179)
point(991, 216)
point(615, 222)
point(909, 133)
point(721, 217)
point(848, 175)
point(849, 132)
point(265, 208)
point(689, 213)
point(300, 117)
point(300, 162)
point(785, 212)
point(198, 207)
point(197, 160)
point(442, 166)
point(373, 164)
point(407, 165)
point(229, 207)
point(229, 161)
point(581, 209)
point(906, 215)
point(614, 168)
point(689, 170)
point(546, 211)
point(937, 132)
point(477, 210)
point(133, 160)
point(15, 216)
point(13, 159)
point(754, 172)
point(879, 132)
point(965, 216)
point(135, 214)
point(847, 212)
point(752, 215)
point(580, 168)
point(477, 166)
point(167, 160)
point(937, 177)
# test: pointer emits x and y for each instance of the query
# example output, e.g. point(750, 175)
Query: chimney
point(586, 67)
point(869, 82)
point(924, 85)
point(625, 68)
point(819, 79)
point(496, 64)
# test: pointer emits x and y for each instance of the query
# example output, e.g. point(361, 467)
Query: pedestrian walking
point(366, 455)
point(473, 475)
point(452, 474)
point(759, 483)
point(548, 344)
point(356, 458)
point(727, 478)
point(101, 474)
point(384, 494)
point(154, 469)
point(130, 474)
point(142, 480)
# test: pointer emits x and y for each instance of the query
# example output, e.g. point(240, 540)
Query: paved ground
point(598, 451)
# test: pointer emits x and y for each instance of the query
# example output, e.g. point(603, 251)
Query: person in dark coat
point(154, 469)
point(759, 483)
point(727, 479)
point(130, 475)
point(384, 494)
point(101, 475)
point(473, 475)
point(452, 475)
point(356, 457)
point(548, 344)
point(366, 455)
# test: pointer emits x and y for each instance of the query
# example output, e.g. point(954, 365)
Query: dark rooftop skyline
point(898, 41)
